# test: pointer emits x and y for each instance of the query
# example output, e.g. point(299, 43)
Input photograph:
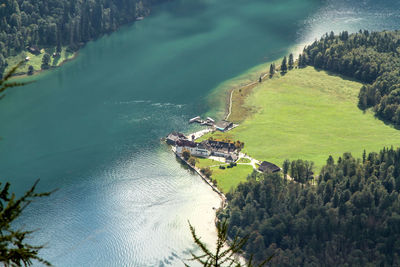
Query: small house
point(268, 167)
point(223, 125)
point(34, 50)
point(231, 158)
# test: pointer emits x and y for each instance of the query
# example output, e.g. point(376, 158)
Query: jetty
point(195, 119)
point(208, 121)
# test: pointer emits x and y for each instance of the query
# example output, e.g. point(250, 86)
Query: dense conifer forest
point(350, 217)
point(33, 24)
point(373, 58)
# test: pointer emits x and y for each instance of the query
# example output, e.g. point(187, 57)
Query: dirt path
point(230, 105)
point(231, 96)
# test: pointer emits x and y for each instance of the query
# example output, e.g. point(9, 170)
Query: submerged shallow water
point(92, 128)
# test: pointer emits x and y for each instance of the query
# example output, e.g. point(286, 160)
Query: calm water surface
point(92, 127)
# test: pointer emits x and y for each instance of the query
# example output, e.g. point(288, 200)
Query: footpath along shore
point(197, 135)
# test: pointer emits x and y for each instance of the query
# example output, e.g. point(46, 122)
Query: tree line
point(370, 57)
point(349, 218)
point(55, 23)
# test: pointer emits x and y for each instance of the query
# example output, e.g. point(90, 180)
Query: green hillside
point(309, 114)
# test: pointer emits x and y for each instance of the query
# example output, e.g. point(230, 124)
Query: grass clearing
point(231, 177)
point(226, 178)
point(309, 114)
point(203, 163)
point(36, 60)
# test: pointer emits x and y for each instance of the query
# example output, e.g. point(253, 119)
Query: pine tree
point(364, 156)
point(284, 65)
point(291, 61)
point(30, 70)
point(285, 167)
point(46, 61)
point(272, 70)
point(300, 61)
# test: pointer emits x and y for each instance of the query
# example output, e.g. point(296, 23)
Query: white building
point(197, 150)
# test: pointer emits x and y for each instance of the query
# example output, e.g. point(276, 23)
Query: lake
point(92, 128)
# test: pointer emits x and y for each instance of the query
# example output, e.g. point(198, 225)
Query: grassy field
point(36, 60)
point(226, 178)
point(243, 160)
point(203, 163)
point(231, 177)
point(309, 114)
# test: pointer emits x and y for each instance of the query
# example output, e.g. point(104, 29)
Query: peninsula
point(300, 114)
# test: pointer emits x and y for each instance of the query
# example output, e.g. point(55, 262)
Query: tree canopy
point(55, 23)
point(351, 217)
point(370, 57)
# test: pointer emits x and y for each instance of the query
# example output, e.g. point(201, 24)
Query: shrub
point(192, 161)
point(186, 154)
point(206, 171)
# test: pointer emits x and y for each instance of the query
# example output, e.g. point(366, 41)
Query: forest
point(54, 23)
point(370, 57)
point(349, 217)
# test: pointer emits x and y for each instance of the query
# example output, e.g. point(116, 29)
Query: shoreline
point(228, 108)
point(228, 99)
point(197, 135)
point(52, 68)
point(76, 53)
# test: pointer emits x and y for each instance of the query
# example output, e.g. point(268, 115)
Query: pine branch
point(222, 257)
point(198, 242)
point(3, 82)
point(14, 251)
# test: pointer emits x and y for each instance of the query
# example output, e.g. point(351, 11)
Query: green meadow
point(36, 60)
point(308, 114)
point(226, 178)
point(231, 177)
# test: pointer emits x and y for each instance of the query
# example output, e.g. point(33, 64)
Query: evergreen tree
point(272, 70)
point(30, 70)
point(284, 65)
point(45, 61)
point(300, 61)
point(371, 58)
point(364, 156)
point(291, 61)
point(352, 204)
point(286, 166)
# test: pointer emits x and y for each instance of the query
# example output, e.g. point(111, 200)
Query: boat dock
point(208, 121)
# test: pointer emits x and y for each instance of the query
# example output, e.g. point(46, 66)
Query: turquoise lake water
point(92, 128)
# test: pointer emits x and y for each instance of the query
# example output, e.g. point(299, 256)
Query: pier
point(208, 121)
